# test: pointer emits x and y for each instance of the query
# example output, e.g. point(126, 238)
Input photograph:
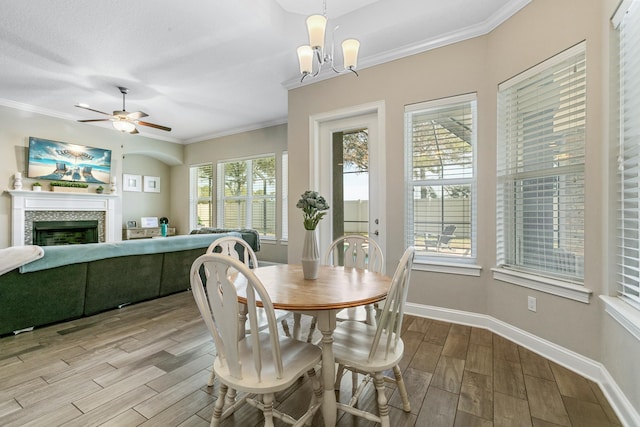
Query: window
point(285, 195)
point(629, 158)
point(247, 195)
point(201, 196)
point(541, 147)
point(440, 139)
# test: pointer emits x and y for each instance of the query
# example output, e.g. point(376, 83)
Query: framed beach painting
point(61, 161)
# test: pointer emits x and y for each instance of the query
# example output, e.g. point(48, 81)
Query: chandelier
point(314, 52)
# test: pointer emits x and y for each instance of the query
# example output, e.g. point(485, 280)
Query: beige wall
point(17, 126)
point(271, 140)
point(539, 31)
point(138, 204)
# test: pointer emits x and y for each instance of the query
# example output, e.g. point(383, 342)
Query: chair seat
point(351, 345)
point(298, 357)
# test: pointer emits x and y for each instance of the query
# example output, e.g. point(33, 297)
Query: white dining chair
point(262, 362)
point(351, 251)
point(239, 249)
point(371, 350)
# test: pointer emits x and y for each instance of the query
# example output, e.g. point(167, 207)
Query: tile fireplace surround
point(29, 205)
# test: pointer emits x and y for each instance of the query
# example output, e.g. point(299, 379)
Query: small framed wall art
point(131, 182)
point(152, 184)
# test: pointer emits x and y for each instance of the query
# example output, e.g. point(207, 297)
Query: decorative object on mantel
point(114, 188)
point(69, 187)
point(316, 25)
point(36, 186)
point(17, 181)
point(100, 189)
point(312, 205)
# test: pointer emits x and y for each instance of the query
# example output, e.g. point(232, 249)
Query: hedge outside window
point(247, 195)
point(541, 149)
point(440, 140)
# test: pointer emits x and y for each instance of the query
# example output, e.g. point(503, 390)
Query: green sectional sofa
point(80, 280)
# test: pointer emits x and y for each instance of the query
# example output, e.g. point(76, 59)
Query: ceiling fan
point(123, 120)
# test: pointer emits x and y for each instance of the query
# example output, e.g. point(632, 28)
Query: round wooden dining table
point(335, 288)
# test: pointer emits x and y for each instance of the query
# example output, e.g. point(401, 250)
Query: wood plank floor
point(148, 364)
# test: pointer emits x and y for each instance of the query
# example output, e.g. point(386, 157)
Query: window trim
point(249, 198)
point(193, 195)
point(622, 307)
point(519, 275)
point(284, 197)
point(545, 284)
point(444, 263)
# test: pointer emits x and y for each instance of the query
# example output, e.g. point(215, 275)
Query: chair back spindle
point(217, 301)
point(355, 251)
point(390, 322)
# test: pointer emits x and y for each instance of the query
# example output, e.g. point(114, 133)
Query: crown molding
point(45, 112)
point(235, 131)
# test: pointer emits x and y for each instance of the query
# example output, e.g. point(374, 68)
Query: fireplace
point(29, 207)
point(55, 233)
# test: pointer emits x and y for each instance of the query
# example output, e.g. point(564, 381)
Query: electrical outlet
point(531, 303)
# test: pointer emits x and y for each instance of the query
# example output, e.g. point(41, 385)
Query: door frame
point(320, 164)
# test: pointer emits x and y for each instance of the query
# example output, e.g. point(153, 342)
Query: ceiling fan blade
point(136, 115)
point(133, 132)
point(95, 120)
point(138, 122)
point(91, 109)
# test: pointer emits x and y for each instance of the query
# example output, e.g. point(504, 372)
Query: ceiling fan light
point(124, 126)
point(316, 25)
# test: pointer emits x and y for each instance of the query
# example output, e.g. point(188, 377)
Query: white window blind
point(629, 160)
point(247, 195)
point(285, 195)
point(541, 148)
point(440, 140)
point(201, 196)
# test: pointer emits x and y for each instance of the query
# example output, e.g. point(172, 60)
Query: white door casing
point(322, 126)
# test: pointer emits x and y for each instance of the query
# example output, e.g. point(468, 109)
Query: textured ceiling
point(204, 68)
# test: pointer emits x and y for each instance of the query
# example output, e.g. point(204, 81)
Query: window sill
point(623, 313)
point(543, 284)
point(447, 267)
point(267, 240)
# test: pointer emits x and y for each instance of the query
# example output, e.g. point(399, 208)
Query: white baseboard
point(576, 362)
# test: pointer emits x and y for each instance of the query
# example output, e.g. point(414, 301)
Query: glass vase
point(310, 255)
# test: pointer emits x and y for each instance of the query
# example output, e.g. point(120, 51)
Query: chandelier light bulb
point(316, 25)
point(350, 53)
point(305, 58)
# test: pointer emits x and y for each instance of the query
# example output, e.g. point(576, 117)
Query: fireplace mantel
point(24, 201)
